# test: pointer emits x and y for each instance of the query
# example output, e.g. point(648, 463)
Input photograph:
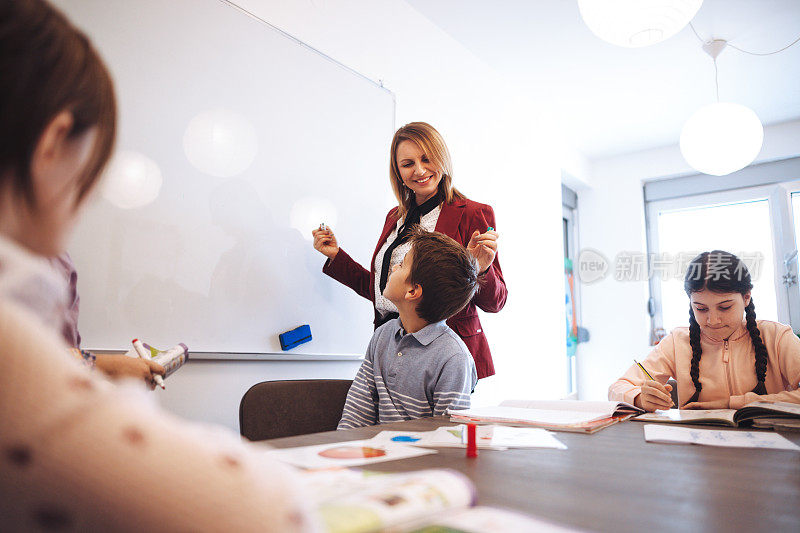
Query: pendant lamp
point(722, 137)
point(637, 23)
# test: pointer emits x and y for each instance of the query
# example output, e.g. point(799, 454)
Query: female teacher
point(422, 180)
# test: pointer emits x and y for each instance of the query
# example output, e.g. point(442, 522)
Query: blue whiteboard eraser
point(295, 337)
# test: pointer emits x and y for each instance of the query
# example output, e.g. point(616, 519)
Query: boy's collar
point(426, 335)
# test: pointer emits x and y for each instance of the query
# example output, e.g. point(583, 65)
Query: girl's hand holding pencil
point(654, 396)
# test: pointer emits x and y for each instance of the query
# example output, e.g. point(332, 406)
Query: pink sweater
point(727, 367)
point(79, 454)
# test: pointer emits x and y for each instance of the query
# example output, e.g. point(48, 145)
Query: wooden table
point(615, 481)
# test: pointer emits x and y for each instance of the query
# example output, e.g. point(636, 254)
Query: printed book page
point(716, 437)
point(425, 501)
point(756, 410)
point(351, 501)
point(345, 454)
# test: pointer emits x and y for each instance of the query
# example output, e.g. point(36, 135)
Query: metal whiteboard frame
point(378, 83)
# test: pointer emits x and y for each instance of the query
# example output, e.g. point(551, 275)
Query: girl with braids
point(725, 358)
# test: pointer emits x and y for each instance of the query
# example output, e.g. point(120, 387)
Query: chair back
point(674, 392)
point(273, 409)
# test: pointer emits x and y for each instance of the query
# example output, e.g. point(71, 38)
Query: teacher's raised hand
point(325, 242)
point(483, 247)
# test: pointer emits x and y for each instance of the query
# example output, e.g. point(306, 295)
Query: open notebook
point(557, 415)
point(760, 413)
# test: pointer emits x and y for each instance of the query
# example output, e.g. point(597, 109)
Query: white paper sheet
point(441, 437)
point(349, 453)
point(715, 437)
point(488, 437)
point(513, 437)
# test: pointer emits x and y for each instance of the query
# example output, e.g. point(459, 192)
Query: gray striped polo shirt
point(410, 375)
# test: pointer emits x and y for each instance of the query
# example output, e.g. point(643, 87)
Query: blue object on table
point(295, 337)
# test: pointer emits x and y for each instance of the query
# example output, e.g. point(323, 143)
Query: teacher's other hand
point(483, 247)
point(325, 242)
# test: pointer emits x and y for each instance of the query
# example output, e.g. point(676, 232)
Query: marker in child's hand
point(139, 347)
point(323, 227)
point(472, 443)
point(490, 228)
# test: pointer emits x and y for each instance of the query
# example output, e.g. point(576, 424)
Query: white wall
point(506, 153)
point(612, 221)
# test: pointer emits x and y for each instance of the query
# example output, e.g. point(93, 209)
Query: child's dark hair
point(722, 272)
point(48, 66)
point(447, 273)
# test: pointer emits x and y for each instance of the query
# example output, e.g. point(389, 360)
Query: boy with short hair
point(416, 366)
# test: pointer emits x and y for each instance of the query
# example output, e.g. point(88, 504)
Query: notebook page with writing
point(714, 437)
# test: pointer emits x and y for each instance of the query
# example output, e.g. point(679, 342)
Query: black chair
point(274, 409)
point(674, 392)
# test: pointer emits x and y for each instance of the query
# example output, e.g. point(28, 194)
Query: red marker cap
point(472, 441)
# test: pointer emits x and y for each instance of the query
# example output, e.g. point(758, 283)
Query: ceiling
point(613, 100)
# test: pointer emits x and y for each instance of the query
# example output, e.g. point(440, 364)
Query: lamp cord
point(746, 51)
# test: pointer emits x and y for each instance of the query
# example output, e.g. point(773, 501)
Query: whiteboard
point(221, 259)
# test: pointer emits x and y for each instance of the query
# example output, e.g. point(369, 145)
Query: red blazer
point(457, 220)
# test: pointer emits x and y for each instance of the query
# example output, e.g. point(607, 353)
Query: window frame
point(778, 195)
point(569, 213)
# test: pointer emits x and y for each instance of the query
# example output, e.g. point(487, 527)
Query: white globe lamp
point(721, 138)
point(637, 23)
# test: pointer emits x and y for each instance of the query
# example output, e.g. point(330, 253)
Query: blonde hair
point(432, 145)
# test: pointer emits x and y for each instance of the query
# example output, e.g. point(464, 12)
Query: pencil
point(646, 373)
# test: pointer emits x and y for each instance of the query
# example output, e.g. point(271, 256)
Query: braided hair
point(722, 272)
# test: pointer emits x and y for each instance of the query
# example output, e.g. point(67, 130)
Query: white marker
point(323, 227)
point(137, 345)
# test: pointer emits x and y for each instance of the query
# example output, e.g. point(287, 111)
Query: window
point(758, 223)
point(569, 202)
